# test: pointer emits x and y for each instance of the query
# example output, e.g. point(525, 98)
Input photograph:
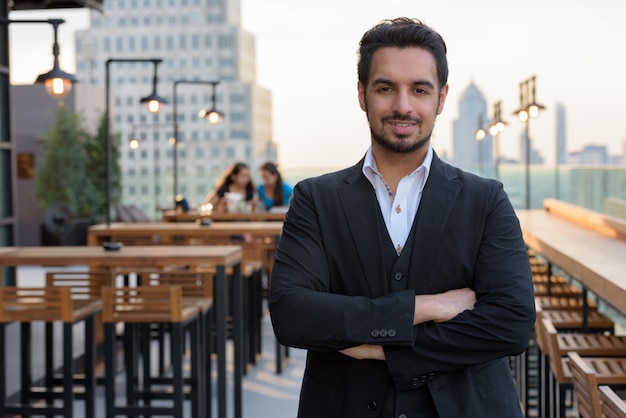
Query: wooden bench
point(599, 222)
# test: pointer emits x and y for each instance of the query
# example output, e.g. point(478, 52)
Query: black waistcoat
point(416, 403)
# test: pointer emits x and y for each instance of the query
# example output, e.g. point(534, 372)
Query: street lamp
point(152, 107)
point(529, 108)
point(212, 115)
point(56, 81)
point(495, 129)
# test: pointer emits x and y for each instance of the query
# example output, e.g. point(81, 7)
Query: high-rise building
point(470, 154)
point(561, 135)
point(197, 41)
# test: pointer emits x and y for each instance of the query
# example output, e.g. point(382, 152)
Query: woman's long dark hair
point(271, 168)
point(227, 180)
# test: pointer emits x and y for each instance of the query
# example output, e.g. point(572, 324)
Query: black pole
point(107, 137)
point(527, 129)
point(107, 140)
point(175, 121)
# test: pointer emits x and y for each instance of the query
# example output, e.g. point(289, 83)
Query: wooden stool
point(48, 304)
point(138, 308)
point(612, 405)
point(587, 373)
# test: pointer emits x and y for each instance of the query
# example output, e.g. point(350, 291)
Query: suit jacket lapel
point(360, 207)
point(438, 197)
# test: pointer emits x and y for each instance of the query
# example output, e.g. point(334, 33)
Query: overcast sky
point(306, 55)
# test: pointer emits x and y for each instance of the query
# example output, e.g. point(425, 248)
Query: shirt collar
point(370, 170)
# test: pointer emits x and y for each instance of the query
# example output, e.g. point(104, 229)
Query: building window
point(225, 41)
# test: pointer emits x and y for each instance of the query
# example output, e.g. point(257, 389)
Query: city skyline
point(317, 121)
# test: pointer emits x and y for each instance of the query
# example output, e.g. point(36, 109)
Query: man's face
point(402, 98)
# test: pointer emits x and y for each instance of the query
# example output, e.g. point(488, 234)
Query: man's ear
point(442, 98)
point(361, 90)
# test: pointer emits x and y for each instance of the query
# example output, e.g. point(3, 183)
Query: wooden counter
point(597, 260)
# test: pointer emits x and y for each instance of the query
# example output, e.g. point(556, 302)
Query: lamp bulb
point(57, 88)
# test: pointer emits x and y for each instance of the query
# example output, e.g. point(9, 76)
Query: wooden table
point(596, 260)
point(221, 257)
point(168, 233)
point(192, 216)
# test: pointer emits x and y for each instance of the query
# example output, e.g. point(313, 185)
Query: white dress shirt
point(398, 209)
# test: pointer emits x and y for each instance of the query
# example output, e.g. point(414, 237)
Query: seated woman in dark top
point(235, 180)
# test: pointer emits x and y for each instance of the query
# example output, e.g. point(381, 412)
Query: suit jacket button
point(431, 376)
point(423, 379)
point(391, 333)
point(398, 276)
point(371, 405)
point(383, 333)
point(374, 333)
point(415, 381)
point(402, 416)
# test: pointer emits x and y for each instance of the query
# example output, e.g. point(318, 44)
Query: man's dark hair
point(402, 32)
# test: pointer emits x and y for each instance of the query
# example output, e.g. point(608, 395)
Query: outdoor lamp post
point(56, 81)
point(152, 107)
point(529, 108)
point(212, 115)
point(495, 129)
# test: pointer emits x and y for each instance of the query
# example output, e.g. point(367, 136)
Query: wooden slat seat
point(587, 374)
point(145, 304)
point(49, 304)
point(542, 277)
point(84, 285)
point(138, 308)
point(547, 303)
point(573, 320)
point(612, 405)
point(556, 289)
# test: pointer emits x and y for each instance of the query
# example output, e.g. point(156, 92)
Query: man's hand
point(365, 352)
point(442, 307)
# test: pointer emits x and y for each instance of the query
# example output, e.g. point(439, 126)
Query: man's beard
point(401, 147)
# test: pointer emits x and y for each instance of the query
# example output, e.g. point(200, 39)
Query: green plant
point(72, 170)
point(95, 148)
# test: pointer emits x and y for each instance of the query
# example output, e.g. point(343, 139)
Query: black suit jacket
point(329, 292)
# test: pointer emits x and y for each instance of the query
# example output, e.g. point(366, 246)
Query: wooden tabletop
point(192, 216)
point(596, 260)
point(167, 231)
point(136, 256)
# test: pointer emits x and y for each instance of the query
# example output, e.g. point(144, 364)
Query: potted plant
point(69, 181)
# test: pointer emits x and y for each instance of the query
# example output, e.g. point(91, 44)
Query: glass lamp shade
point(212, 116)
point(153, 102)
point(57, 82)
